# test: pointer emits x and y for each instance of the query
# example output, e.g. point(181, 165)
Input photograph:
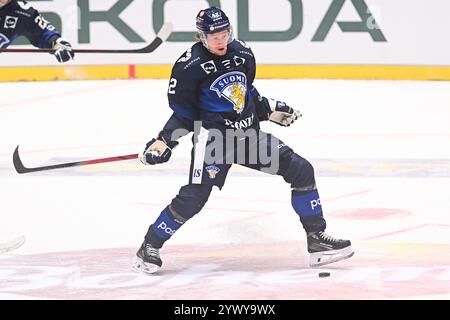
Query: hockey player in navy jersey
point(211, 93)
point(18, 18)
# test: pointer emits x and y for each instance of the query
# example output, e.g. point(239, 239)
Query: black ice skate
point(147, 259)
point(325, 249)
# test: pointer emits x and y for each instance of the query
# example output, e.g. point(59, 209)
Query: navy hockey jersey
point(215, 89)
point(19, 18)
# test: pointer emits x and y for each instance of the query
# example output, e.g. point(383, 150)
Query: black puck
point(324, 274)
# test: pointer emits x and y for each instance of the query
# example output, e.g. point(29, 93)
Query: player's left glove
point(63, 50)
point(282, 114)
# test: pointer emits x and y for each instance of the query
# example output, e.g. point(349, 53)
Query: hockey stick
point(162, 36)
point(20, 168)
point(12, 245)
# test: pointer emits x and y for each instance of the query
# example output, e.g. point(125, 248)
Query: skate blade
point(318, 259)
point(144, 267)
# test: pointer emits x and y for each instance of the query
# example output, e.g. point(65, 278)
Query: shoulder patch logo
point(209, 67)
point(10, 22)
point(233, 87)
point(238, 60)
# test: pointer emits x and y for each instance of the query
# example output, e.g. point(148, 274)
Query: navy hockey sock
point(307, 205)
point(163, 228)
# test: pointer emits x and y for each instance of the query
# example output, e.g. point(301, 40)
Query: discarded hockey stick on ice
point(12, 245)
point(162, 36)
point(20, 168)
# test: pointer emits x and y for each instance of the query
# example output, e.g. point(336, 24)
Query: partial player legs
point(305, 199)
point(189, 201)
point(323, 248)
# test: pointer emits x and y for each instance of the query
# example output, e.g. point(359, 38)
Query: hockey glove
point(282, 114)
point(157, 151)
point(63, 50)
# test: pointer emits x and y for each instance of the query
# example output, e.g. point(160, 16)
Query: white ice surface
point(381, 150)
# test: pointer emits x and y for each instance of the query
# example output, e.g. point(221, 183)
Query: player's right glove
point(157, 151)
point(282, 114)
point(63, 50)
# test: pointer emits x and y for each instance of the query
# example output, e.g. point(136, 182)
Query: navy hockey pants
point(295, 170)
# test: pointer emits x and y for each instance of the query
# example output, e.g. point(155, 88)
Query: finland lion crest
point(212, 171)
point(233, 87)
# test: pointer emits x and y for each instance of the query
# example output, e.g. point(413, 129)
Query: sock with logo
point(308, 207)
point(305, 200)
point(163, 228)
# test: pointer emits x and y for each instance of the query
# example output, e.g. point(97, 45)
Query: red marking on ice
point(406, 230)
point(370, 213)
point(231, 271)
point(276, 200)
point(395, 232)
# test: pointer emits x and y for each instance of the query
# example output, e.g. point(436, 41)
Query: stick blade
point(18, 165)
point(165, 31)
point(162, 36)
